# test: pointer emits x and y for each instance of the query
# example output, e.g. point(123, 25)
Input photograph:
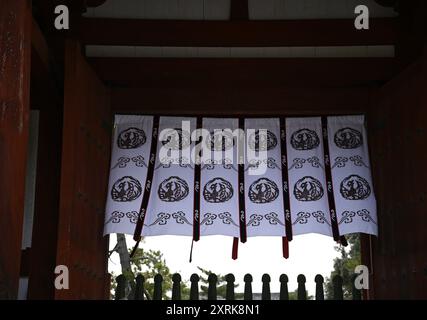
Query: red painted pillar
point(15, 64)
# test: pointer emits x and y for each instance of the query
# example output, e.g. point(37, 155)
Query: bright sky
point(310, 254)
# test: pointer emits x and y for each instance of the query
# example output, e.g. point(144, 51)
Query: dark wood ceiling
point(407, 33)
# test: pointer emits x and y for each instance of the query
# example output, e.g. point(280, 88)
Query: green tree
point(221, 287)
point(344, 266)
point(294, 295)
point(149, 263)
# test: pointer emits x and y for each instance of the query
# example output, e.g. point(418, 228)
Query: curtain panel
point(240, 177)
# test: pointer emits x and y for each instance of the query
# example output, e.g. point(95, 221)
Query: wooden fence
point(138, 292)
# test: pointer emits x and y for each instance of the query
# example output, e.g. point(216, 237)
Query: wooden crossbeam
point(238, 101)
point(236, 72)
point(326, 32)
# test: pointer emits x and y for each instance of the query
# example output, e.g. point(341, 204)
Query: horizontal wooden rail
point(248, 72)
point(255, 33)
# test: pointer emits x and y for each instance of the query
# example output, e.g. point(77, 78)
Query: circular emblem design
point(355, 187)
point(220, 140)
point(217, 190)
point(131, 138)
point(305, 139)
point(126, 189)
point(308, 189)
point(177, 139)
point(263, 190)
point(173, 189)
point(264, 140)
point(348, 138)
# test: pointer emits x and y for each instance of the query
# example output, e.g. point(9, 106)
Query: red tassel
point(285, 247)
point(235, 248)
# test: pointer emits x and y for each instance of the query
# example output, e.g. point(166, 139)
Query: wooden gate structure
point(45, 69)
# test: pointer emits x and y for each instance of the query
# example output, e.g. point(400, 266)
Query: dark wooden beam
point(45, 97)
point(44, 14)
point(46, 206)
point(236, 72)
point(387, 3)
point(239, 10)
point(15, 64)
point(94, 3)
point(238, 101)
point(330, 32)
point(412, 37)
point(44, 89)
point(85, 150)
point(39, 44)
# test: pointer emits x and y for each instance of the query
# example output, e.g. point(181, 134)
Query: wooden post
point(86, 143)
point(15, 65)
point(302, 293)
point(337, 283)
point(176, 286)
point(266, 295)
point(319, 287)
point(212, 280)
point(139, 287)
point(284, 293)
point(157, 292)
point(248, 286)
point(230, 286)
point(194, 290)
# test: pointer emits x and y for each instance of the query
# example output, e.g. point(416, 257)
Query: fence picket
point(320, 295)
point(176, 286)
point(139, 287)
point(248, 286)
point(157, 294)
point(229, 295)
point(302, 293)
point(212, 280)
point(194, 289)
point(139, 291)
point(266, 294)
point(120, 293)
point(284, 293)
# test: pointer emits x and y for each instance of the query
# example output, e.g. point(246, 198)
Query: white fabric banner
point(170, 207)
point(264, 204)
point(128, 172)
point(308, 198)
point(219, 203)
point(171, 201)
point(352, 181)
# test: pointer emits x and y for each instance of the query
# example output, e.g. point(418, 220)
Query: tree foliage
point(293, 295)
point(344, 266)
point(149, 263)
point(221, 287)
